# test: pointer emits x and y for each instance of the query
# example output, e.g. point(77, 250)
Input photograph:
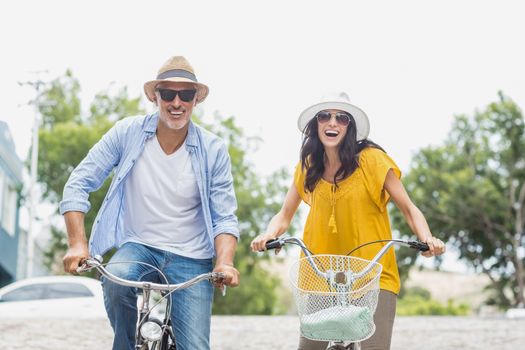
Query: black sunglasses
point(169, 95)
point(342, 118)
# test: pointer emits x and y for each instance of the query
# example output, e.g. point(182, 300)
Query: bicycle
point(336, 295)
point(151, 333)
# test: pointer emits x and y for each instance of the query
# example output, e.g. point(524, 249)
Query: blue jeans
point(191, 307)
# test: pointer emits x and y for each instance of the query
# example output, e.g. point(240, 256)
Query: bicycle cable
point(373, 242)
point(319, 263)
point(305, 247)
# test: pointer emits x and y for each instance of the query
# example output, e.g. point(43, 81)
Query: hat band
point(177, 73)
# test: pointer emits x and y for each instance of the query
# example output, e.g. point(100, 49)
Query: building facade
point(10, 188)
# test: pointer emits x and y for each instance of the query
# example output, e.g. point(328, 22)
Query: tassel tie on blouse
point(331, 222)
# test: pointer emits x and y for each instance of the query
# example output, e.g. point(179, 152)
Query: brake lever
point(83, 267)
point(87, 266)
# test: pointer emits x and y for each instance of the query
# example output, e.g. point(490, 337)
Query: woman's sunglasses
point(342, 118)
point(169, 95)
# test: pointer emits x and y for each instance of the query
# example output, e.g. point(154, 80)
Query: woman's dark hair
point(312, 154)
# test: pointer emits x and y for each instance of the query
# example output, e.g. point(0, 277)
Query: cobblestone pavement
point(274, 332)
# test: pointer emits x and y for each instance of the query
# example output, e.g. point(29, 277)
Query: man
point(171, 204)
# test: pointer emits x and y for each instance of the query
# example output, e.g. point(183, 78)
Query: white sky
point(411, 65)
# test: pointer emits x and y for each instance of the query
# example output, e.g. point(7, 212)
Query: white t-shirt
point(162, 205)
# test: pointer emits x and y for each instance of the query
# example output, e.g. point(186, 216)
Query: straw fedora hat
point(341, 102)
point(177, 69)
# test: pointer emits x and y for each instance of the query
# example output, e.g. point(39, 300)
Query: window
point(32, 292)
point(2, 180)
point(48, 291)
point(67, 290)
point(8, 203)
point(8, 206)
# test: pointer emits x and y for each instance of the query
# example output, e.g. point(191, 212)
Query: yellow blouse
point(354, 214)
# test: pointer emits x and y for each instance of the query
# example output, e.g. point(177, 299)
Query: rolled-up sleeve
point(90, 174)
point(223, 202)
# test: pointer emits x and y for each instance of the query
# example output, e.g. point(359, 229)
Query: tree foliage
point(67, 134)
point(418, 301)
point(259, 199)
point(472, 191)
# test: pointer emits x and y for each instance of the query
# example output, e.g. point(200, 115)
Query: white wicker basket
point(336, 296)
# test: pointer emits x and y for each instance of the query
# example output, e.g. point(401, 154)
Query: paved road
point(279, 332)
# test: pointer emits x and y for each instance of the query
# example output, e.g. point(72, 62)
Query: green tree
point(259, 199)
point(66, 136)
point(472, 191)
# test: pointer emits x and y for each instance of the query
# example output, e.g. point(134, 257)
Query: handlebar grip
point(421, 246)
point(274, 244)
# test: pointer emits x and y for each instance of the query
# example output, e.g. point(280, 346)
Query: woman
point(347, 181)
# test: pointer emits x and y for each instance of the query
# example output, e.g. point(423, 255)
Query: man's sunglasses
point(169, 95)
point(342, 118)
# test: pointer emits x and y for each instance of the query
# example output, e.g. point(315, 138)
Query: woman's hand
point(259, 243)
point(435, 247)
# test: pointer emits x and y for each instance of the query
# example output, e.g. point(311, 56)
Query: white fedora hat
point(176, 69)
point(341, 102)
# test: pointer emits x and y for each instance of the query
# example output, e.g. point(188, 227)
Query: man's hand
point(74, 257)
point(231, 275)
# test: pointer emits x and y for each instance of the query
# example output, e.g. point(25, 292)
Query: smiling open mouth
point(175, 112)
point(331, 133)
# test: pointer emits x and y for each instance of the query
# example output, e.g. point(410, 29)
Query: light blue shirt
point(118, 149)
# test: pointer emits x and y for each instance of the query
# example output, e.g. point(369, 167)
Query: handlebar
point(280, 242)
point(96, 262)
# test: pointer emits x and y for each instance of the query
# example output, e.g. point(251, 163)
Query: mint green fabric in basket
point(351, 323)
